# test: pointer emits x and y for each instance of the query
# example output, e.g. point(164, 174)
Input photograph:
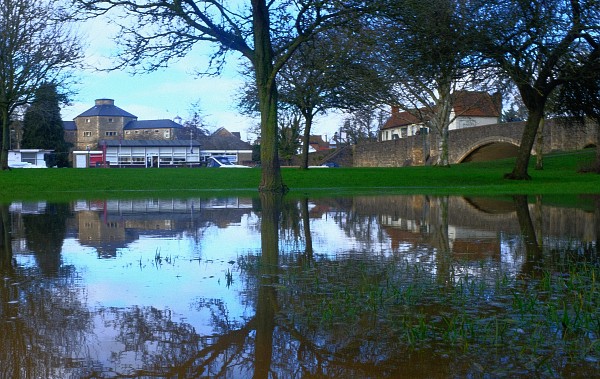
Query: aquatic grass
point(536, 323)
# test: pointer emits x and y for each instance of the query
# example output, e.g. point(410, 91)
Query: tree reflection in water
point(371, 311)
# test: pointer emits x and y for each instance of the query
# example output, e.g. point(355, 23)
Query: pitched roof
point(222, 139)
point(398, 119)
point(151, 124)
point(466, 104)
point(106, 107)
point(477, 104)
point(317, 143)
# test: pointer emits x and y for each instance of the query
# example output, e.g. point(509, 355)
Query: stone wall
point(462, 142)
point(396, 153)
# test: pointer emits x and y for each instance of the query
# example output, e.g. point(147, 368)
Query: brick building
point(106, 121)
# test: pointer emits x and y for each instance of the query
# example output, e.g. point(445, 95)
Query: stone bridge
point(479, 143)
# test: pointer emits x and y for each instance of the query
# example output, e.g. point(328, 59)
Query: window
point(110, 133)
point(127, 132)
point(87, 120)
point(155, 130)
point(167, 134)
point(111, 120)
point(146, 131)
point(87, 134)
point(29, 158)
point(137, 132)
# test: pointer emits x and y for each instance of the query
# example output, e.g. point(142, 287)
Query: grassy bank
point(559, 176)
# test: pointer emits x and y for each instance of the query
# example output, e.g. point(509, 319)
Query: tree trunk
point(539, 146)
point(271, 180)
point(598, 147)
point(441, 122)
point(443, 148)
point(308, 119)
point(535, 106)
point(5, 140)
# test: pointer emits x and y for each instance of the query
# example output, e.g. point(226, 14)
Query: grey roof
point(148, 143)
point(106, 110)
point(222, 139)
point(69, 125)
point(152, 124)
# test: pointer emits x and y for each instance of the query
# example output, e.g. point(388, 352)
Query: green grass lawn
point(559, 176)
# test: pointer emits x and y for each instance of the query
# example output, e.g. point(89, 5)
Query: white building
point(469, 109)
point(27, 158)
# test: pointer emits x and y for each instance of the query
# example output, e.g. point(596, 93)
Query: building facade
point(105, 121)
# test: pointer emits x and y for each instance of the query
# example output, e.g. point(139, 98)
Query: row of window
point(111, 120)
point(112, 134)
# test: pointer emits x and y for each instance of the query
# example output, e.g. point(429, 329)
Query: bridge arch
point(489, 148)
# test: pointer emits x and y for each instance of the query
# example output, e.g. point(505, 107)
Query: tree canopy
point(43, 126)
point(536, 44)
point(37, 46)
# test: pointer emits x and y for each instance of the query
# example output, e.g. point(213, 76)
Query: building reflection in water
point(250, 283)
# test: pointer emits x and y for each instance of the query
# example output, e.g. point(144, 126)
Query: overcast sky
point(168, 93)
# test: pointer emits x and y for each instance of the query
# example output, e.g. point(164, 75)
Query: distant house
point(225, 143)
point(318, 144)
point(470, 108)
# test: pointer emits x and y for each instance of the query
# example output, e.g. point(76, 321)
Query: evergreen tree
point(43, 126)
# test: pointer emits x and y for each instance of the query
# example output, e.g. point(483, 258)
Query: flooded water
point(361, 287)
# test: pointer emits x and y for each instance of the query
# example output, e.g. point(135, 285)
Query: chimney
point(105, 102)
point(395, 110)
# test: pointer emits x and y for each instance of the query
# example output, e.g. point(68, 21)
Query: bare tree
point(36, 46)
point(427, 58)
point(265, 32)
point(536, 44)
point(361, 125)
point(329, 72)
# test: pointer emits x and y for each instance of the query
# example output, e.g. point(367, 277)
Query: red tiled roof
point(476, 104)
point(317, 143)
point(466, 103)
point(401, 119)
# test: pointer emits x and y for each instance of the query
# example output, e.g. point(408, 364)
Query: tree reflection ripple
point(365, 287)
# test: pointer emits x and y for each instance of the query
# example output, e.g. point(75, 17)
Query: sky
point(167, 93)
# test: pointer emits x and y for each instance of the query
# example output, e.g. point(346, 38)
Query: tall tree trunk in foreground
point(535, 104)
point(271, 180)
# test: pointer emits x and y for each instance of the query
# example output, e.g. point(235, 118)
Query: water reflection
point(388, 286)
